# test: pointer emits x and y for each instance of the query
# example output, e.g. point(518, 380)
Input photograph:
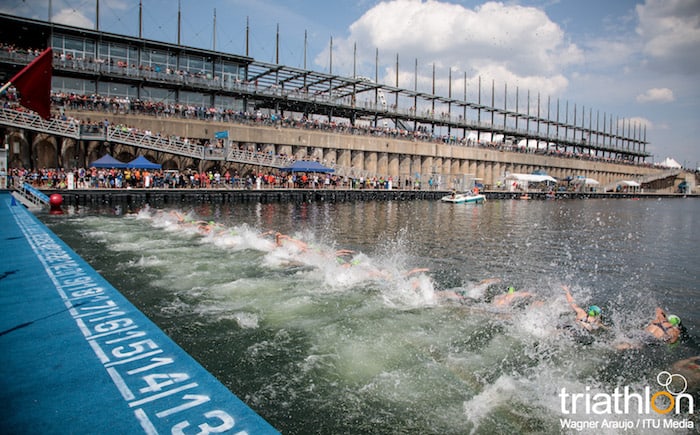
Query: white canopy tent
point(582, 183)
point(531, 178)
point(515, 181)
point(628, 186)
point(585, 180)
point(669, 163)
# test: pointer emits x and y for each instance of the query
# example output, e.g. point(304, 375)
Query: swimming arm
point(571, 301)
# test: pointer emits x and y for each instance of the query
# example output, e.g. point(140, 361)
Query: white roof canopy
point(629, 183)
point(670, 163)
point(531, 178)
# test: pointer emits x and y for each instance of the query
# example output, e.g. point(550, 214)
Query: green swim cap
point(594, 310)
point(511, 290)
point(674, 320)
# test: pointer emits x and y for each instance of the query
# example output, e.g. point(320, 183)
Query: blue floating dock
point(77, 357)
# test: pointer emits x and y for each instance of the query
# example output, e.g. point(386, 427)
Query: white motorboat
point(462, 198)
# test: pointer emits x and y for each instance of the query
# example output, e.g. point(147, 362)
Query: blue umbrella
point(107, 161)
point(308, 166)
point(141, 162)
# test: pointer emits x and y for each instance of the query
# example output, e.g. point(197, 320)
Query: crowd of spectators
point(125, 105)
point(112, 178)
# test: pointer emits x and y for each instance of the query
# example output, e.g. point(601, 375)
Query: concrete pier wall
point(383, 156)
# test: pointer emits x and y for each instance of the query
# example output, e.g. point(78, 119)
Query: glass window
point(228, 71)
point(103, 51)
point(225, 102)
point(71, 85)
point(73, 44)
point(196, 65)
point(195, 98)
point(157, 94)
point(74, 47)
point(132, 56)
point(158, 61)
point(117, 51)
point(118, 54)
point(116, 90)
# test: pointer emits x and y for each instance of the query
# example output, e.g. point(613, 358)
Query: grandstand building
point(234, 109)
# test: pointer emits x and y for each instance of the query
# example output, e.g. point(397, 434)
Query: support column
point(472, 168)
point(371, 162)
point(358, 161)
point(344, 157)
point(426, 170)
point(417, 169)
point(441, 175)
point(268, 148)
point(284, 149)
point(497, 173)
point(330, 156)
point(488, 173)
point(479, 172)
point(393, 167)
point(463, 168)
point(405, 166)
point(383, 164)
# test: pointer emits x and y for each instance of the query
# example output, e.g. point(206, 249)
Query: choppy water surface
point(363, 343)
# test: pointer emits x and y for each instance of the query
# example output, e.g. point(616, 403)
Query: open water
point(357, 343)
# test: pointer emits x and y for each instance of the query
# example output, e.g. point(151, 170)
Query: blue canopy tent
point(107, 161)
point(308, 166)
point(141, 162)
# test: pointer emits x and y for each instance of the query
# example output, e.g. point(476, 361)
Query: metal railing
point(155, 143)
point(33, 195)
point(72, 129)
point(31, 121)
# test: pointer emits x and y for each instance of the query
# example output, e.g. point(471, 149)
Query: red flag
point(34, 84)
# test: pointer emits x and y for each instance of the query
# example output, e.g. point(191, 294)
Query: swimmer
point(473, 293)
point(344, 257)
point(417, 270)
point(511, 296)
point(180, 218)
point(344, 263)
point(587, 319)
point(187, 221)
point(661, 328)
point(227, 232)
point(666, 329)
point(301, 245)
point(279, 238)
point(344, 252)
point(206, 227)
point(689, 368)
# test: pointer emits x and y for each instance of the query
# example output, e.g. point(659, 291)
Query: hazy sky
point(637, 60)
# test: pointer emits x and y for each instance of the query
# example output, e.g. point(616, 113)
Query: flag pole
point(4, 87)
